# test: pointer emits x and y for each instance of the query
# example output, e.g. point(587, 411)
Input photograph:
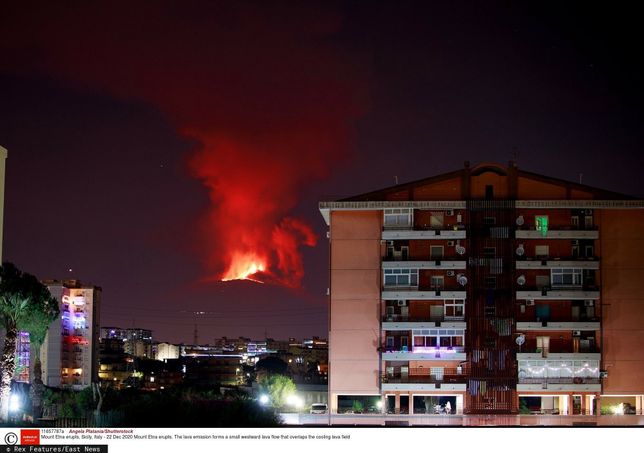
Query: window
point(432, 338)
point(437, 281)
point(398, 218)
point(542, 281)
point(542, 250)
point(541, 224)
point(566, 277)
point(454, 309)
point(588, 221)
point(489, 252)
point(590, 251)
point(390, 342)
point(436, 220)
point(574, 221)
point(489, 192)
point(575, 251)
point(398, 253)
point(401, 277)
point(436, 252)
point(404, 342)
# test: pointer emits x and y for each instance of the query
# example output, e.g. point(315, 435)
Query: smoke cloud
point(260, 88)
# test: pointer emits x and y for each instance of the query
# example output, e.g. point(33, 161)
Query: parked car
point(319, 408)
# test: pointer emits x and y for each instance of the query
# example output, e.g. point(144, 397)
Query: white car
point(319, 408)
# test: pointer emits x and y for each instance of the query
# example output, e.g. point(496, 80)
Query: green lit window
point(541, 222)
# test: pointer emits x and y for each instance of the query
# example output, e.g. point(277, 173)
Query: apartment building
point(487, 290)
point(70, 353)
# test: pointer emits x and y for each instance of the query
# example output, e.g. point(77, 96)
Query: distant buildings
point(70, 353)
point(136, 342)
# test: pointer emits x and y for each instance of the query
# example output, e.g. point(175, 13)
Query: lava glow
point(243, 267)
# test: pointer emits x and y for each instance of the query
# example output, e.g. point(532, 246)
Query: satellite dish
point(520, 339)
point(520, 250)
point(521, 280)
point(461, 279)
point(460, 250)
point(520, 220)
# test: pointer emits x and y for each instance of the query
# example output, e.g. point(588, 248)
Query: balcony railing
point(401, 318)
point(561, 380)
point(568, 349)
point(522, 317)
point(421, 376)
point(558, 233)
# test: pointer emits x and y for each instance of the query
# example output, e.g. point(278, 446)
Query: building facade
point(137, 342)
point(71, 350)
point(487, 290)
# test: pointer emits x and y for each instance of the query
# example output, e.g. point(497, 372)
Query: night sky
point(152, 145)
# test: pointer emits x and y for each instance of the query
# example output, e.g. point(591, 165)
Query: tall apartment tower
point(487, 290)
point(70, 353)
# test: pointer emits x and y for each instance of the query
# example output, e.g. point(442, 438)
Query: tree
point(38, 317)
point(278, 387)
point(20, 294)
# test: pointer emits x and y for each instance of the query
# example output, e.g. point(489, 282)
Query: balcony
point(554, 263)
point(402, 323)
point(588, 353)
point(406, 233)
point(559, 233)
point(579, 384)
point(421, 293)
point(392, 263)
point(426, 353)
point(419, 379)
point(563, 293)
point(544, 326)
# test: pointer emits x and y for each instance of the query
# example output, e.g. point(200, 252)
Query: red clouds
point(261, 87)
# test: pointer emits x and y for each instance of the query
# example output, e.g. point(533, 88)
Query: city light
point(264, 399)
point(15, 403)
point(294, 400)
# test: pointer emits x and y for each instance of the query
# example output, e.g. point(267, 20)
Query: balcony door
point(543, 344)
point(436, 313)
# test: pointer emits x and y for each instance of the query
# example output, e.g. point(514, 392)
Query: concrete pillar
point(583, 404)
point(397, 399)
point(563, 404)
point(459, 404)
point(639, 399)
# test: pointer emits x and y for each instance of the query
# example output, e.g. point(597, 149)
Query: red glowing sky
point(167, 145)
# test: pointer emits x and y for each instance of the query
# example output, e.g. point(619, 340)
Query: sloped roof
point(381, 194)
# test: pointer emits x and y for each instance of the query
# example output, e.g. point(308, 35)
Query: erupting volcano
point(261, 91)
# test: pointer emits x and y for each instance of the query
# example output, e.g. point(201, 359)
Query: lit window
point(541, 224)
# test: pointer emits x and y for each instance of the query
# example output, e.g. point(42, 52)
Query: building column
point(397, 404)
point(639, 399)
point(563, 404)
point(570, 404)
point(598, 405)
point(459, 404)
point(583, 404)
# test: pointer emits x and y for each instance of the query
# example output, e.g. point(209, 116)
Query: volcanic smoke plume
point(259, 86)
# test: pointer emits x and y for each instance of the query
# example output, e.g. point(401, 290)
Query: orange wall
point(499, 182)
point(529, 189)
point(355, 300)
point(622, 244)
